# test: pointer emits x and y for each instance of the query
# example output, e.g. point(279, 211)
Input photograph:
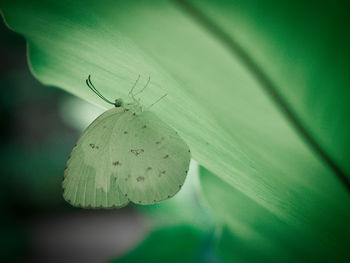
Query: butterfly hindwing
point(154, 159)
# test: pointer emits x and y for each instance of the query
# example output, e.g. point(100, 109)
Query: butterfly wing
point(90, 178)
point(153, 158)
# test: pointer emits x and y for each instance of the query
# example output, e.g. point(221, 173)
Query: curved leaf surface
point(214, 101)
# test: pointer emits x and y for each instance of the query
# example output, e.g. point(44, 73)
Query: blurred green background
point(36, 138)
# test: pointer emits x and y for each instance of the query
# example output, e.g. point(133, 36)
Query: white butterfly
point(126, 154)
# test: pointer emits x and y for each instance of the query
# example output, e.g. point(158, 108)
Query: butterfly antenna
point(148, 81)
point(92, 87)
point(157, 101)
point(131, 94)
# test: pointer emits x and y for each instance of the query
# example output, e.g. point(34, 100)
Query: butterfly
point(126, 154)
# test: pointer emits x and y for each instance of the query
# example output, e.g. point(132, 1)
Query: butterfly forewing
point(90, 180)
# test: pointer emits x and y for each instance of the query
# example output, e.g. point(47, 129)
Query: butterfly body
point(126, 154)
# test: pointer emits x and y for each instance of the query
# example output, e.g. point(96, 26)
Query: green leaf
point(173, 244)
point(280, 143)
point(254, 234)
point(303, 49)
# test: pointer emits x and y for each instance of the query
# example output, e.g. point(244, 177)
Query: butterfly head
point(118, 103)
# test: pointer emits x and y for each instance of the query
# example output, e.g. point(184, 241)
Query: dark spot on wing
point(180, 186)
point(126, 195)
point(93, 146)
point(137, 151)
point(186, 171)
point(149, 168)
point(158, 142)
point(166, 156)
point(134, 114)
point(140, 178)
point(154, 200)
point(140, 202)
point(125, 132)
point(169, 196)
point(116, 163)
point(144, 126)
